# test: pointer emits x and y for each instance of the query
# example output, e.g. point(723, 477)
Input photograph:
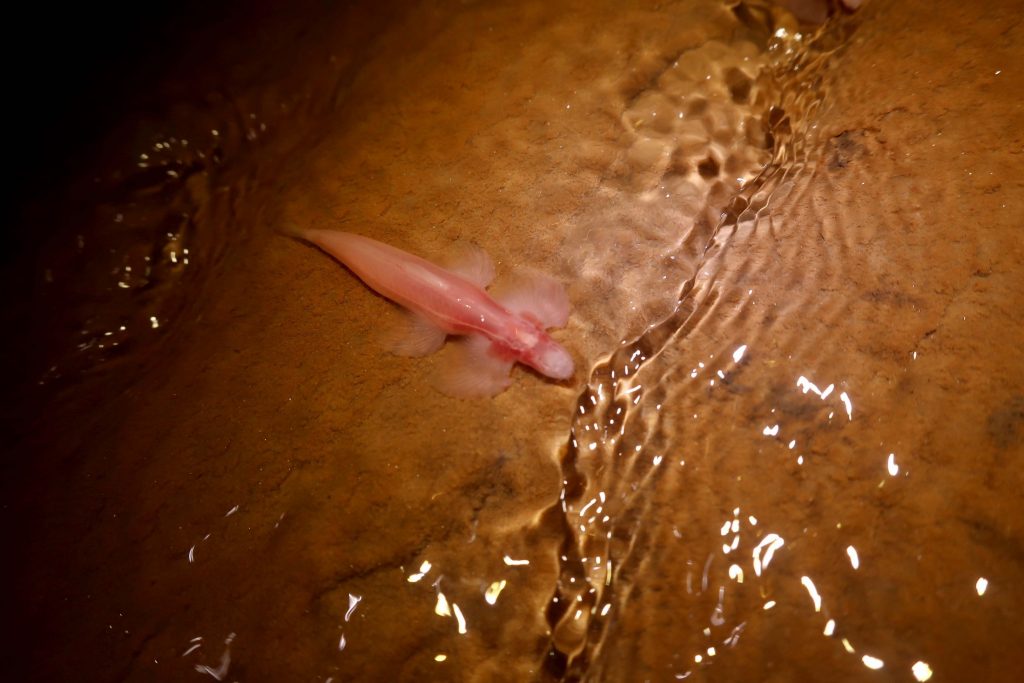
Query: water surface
point(790, 451)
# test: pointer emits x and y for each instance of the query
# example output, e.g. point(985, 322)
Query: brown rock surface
point(254, 468)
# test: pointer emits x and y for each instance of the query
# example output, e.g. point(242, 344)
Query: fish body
point(496, 331)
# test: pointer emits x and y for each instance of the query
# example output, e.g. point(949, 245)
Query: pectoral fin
point(535, 295)
point(471, 369)
point(414, 335)
point(471, 262)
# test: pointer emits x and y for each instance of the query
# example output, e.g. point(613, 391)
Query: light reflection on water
point(118, 277)
point(636, 414)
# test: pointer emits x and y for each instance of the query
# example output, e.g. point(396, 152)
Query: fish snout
point(551, 359)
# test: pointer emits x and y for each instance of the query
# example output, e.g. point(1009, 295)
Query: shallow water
point(789, 451)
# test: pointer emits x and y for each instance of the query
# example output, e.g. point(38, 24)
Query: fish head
point(549, 358)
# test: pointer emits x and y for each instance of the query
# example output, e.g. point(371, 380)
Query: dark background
point(69, 71)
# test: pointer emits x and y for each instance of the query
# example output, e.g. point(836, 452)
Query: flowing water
point(792, 447)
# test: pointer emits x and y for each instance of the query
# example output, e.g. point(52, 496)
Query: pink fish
point(495, 333)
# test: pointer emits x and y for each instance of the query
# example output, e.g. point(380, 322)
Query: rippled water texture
point(792, 450)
